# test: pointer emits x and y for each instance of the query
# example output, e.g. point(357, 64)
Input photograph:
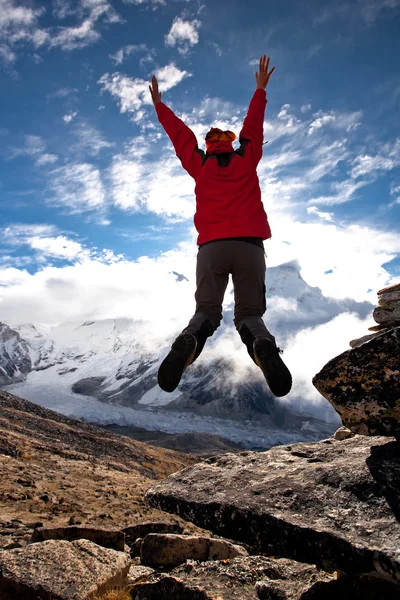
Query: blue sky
point(89, 179)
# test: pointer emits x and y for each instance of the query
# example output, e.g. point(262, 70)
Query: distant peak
point(292, 265)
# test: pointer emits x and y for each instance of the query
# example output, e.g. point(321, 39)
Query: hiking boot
point(267, 357)
point(182, 354)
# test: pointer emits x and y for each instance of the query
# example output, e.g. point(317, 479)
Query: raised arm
point(252, 129)
point(182, 138)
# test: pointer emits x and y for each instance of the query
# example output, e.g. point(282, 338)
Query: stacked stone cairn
point(386, 314)
point(363, 384)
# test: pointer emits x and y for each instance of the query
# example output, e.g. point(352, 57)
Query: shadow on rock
point(384, 466)
point(351, 588)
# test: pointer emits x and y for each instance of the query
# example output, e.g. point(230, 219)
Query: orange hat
point(217, 135)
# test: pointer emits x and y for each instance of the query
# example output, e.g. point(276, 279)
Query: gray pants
point(246, 263)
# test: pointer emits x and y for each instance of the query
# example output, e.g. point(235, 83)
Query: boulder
point(388, 313)
point(335, 504)
point(109, 538)
point(363, 385)
point(385, 297)
point(61, 570)
point(390, 289)
point(384, 326)
point(138, 574)
point(365, 338)
point(235, 579)
point(140, 530)
point(343, 433)
point(169, 550)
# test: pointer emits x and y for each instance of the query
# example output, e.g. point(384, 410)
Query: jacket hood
point(219, 147)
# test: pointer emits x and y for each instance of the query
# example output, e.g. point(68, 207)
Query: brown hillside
point(54, 469)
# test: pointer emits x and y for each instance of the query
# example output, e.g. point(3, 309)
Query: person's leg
point(212, 275)
point(248, 275)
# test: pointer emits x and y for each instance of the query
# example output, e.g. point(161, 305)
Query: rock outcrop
point(363, 384)
point(243, 578)
point(140, 530)
point(170, 550)
point(61, 570)
point(335, 504)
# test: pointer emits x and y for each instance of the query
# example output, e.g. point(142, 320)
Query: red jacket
point(228, 198)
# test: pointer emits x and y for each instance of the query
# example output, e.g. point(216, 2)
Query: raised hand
point(155, 94)
point(262, 77)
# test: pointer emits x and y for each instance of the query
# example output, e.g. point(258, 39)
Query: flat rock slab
point(390, 289)
point(387, 313)
point(60, 570)
point(169, 550)
point(109, 538)
point(334, 503)
point(236, 579)
point(363, 385)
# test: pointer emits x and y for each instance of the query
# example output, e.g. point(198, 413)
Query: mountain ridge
point(111, 366)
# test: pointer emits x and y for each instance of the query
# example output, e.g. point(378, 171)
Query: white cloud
point(57, 247)
point(127, 177)
point(133, 93)
point(372, 9)
point(90, 140)
point(20, 26)
point(77, 186)
point(46, 159)
point(19, 232)
point(34, 147)
point(313, 210)
point(45, 240)
point(183, 34)
point(130, 93)
point(169, 76)
point(320, 122)
point(367, 10)
point(347, 121)
point(72, 38)
point(140, 184)
point(153, 3)
point(69, 116)
point(61, 93)
point(344, 260)
point(120, 55)
point(7, 56)
point(343, 191)
point(13, 15)
point(395, 192)
point(103, 286)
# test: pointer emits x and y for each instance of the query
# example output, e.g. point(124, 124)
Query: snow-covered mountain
point(106, 371)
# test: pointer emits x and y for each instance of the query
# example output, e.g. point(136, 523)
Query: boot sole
point(274, 369)
point(174, 364)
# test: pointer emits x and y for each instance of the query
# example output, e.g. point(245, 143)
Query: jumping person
point(232, 224)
